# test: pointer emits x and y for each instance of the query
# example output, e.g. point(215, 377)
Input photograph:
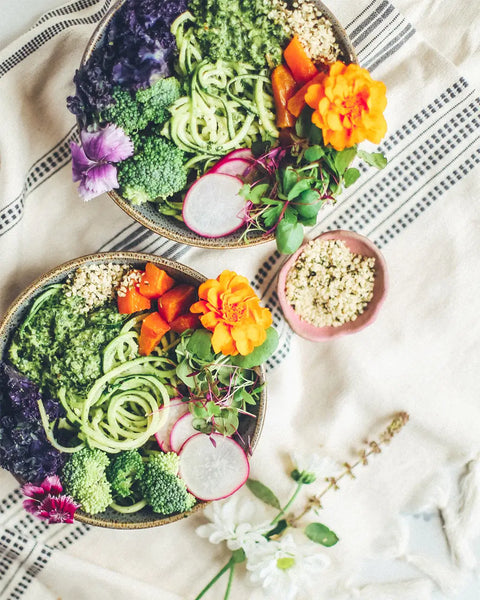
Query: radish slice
point(181, 431)
point(235, 167)
point(175, 411)
point(213, 206)
point(244, 153)
point(213, 466)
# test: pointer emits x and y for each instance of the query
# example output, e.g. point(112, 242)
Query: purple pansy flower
point(46, 501)
point(92, 160)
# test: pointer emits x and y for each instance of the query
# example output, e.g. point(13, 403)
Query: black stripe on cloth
point(376, 19)
point(46, 35)
point(443, 185)
point(40, 171)
point(393, 46)
point(66, 10)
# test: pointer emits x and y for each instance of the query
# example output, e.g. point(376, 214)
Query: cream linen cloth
point(421, 355)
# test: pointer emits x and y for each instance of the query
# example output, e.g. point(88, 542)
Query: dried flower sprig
point(273, 557)
point(373, 447)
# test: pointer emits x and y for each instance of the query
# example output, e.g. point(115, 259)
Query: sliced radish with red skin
point(213, 206)
point(244, 153)
point(235, 167)
point(181, 431)
point(213, 466)
point(175, 411)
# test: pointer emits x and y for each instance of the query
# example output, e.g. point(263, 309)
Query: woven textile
point(421, 355)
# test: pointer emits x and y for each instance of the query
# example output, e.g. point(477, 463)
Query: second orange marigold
point(231, 310)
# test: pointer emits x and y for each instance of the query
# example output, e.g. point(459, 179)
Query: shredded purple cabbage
point(24, 449)
point(138, 47)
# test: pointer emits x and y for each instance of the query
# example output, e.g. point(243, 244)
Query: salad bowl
point(174, 227)
point(249, 427)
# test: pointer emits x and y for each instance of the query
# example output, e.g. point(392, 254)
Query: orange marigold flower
point(349, 106)
point(232, 311)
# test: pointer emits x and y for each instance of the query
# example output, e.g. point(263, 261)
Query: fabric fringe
point(461, 518)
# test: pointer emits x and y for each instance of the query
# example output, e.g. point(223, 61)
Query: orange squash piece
point(283, 87)
point(184, 322)
point(296, 103)
point(155, 282)
point(301, 66)
point(132, 302)
point(152, 331)
point(176, 301)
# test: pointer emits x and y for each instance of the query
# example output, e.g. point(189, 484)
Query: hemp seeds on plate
point(328, 285)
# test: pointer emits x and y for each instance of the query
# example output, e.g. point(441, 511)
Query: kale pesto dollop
point(58, 346)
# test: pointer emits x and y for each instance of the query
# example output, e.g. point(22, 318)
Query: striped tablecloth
point(421, 355)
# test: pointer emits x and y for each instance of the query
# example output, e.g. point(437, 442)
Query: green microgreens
point(219, 390)
point(288, 186)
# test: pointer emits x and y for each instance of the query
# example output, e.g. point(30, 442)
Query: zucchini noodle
point(227, 105)
point(122, 408)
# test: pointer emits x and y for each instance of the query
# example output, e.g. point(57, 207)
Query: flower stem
point(230, 565)
point(230, 580)
point(289, 503)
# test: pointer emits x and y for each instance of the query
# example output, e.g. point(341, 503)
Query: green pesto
point(59, 347)
point(238, 30)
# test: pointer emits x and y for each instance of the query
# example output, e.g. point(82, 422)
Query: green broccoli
point(84, 478)
point(150, 105)
point(124, 471)
point(155, 171)
point(163, 490)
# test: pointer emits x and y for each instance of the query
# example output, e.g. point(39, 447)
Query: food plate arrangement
point(131, 389)
point(333, 285)
point(203, 120)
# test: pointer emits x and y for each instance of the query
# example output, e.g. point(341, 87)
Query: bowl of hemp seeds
point(333, 285)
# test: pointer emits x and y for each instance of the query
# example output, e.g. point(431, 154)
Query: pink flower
point(91, 161)
point(46, 502)
point(57, 509)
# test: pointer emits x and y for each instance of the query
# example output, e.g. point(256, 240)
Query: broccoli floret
point(155, 171)
point(134, 112)
point(156, 99)
point(123, 471)
point(168, 461)
point(163, 490)
point(84, 478)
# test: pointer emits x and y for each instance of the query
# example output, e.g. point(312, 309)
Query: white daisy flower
point(311, 466)
point(285, 569)
point(234, 521)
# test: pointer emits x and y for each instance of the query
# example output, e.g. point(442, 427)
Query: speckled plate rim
point(60, 272)
point(321, 334)
point(186, 236)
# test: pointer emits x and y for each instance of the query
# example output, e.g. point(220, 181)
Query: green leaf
point(279, 527)
point(289, 179)
point(299, 187)
point(374, 159)
point(351, 176)
point(289, 236)
point(183, 371)
point(307, 222)
point(314, 153)
point(257, 192)
point(271, 215)
point(259, 354)
point(343, 158)
point(263, 493)
point(304, 122)
point(308, 204)
point(200, 345)
point(315, 135)
point(202, 425)
point(321, 534)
